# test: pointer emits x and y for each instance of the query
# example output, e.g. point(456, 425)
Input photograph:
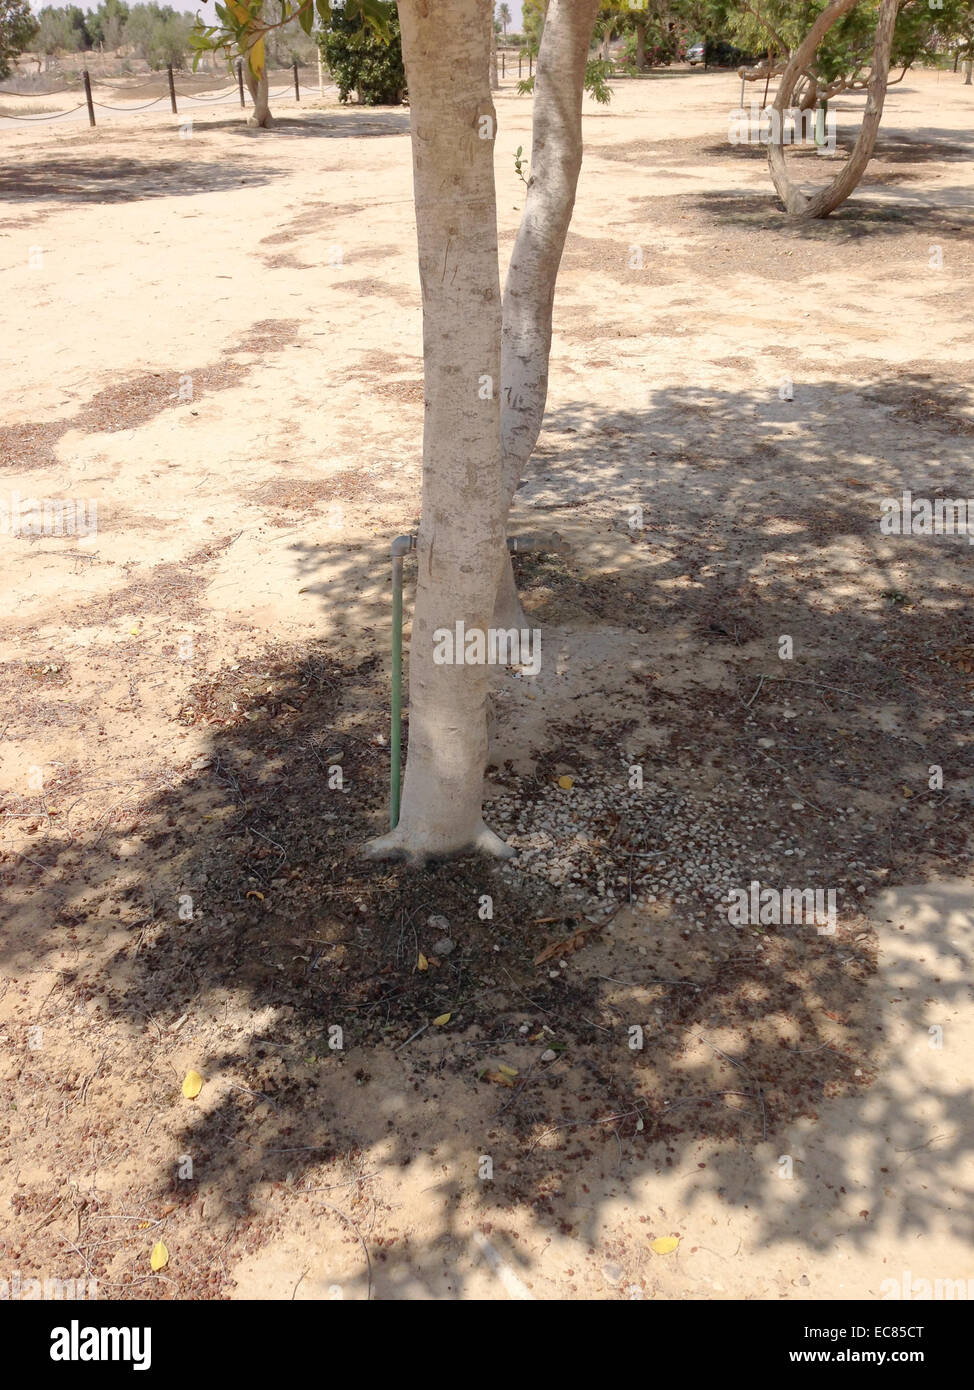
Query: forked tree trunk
point(446, 51)
point(258, 87)
point(798, 203)
point(529, 292)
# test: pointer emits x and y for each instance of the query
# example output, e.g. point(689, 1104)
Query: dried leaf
point(422, 963)
point(159, 1257)
point(443, 1018)
point(561, 948)
point(499, 1079)
point(566, 783)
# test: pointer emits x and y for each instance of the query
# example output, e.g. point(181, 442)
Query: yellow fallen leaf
point(499, 1079)
point(508, 1071)
point(134, 631)
point(192, 1085)
point(443, 1018)
point(159, 1257)
point(664, 1245)
point(422, 963)
point(254, 894)
point(566, 783)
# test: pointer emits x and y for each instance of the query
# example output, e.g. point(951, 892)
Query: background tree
point(504, 15)
point(107, 24)
point(824, 47)
point(253, 51)
point(532, 23)
point(656, 32)
point(159, 34)
point(363, 62)
point(17, 29)
point(844, 59)
point(808, 205)
point(61, 30)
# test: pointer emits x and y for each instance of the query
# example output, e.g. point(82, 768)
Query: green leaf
point(306, 18)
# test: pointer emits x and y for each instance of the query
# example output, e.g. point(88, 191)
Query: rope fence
point(144, 106)
point(53, 116)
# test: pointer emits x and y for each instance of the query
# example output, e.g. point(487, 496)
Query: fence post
point(91, 109)
point(519, 65)
point(503, 65)
point(297, 92)
point(172, 90)
point(240, 78)
point(530, 65)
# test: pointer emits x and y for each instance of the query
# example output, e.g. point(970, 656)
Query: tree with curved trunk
point(476, 442)
point(797, 202)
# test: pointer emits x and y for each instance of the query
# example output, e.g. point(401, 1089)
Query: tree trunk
point(494, 83)
point(968, 67)
point(529, 292)
point(640, 46)
point(446, 51)
point(809, 99)
point(826, 200)
point(257, 87)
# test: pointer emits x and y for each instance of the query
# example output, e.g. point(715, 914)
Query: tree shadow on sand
point(228, 921)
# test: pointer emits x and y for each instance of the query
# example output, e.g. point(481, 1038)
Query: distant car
point(696, 53)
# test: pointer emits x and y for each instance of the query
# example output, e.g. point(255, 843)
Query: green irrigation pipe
point(399, 549)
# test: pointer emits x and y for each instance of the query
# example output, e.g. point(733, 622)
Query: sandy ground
point(214, 336)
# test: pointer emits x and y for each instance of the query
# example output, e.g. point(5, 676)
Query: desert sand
point(213, 339)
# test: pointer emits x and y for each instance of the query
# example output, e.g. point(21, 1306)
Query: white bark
point(257, 87)
point(446, 51)
point(529, 292)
